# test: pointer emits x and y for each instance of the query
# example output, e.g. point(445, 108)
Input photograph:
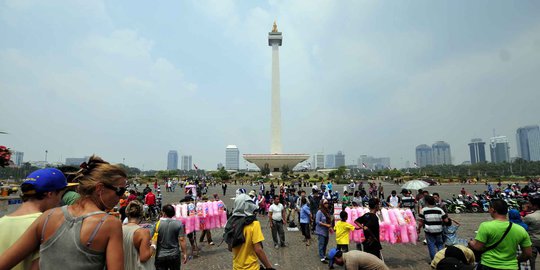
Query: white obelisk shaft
point(276, 107)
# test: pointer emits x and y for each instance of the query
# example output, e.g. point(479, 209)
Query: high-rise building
point(499, 149)
point(232, 158)
point(318, 160)
point(172, 160)
point(186, 164)
point(528, 142)
point(330, 161)
point(76, 161)
point(477, 149)
point(339, 159)
point(17, 158)
point(373, 162)
point(424, 155)
point(441, 153)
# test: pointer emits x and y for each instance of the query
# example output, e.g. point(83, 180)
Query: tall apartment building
point(318, 160)
point(339, 159)
point(424, 155)
point(477, 149)
point(75, 161)
point(17, 158)
point(373, 162)
point(186, 163)
point(232, 158)
point(441, 153)
point(172, 160)
point(330, 161)
point(528, 142)
point(499, 149)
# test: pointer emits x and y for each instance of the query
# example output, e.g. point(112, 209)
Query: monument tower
point(276, 160)
point(275, 40)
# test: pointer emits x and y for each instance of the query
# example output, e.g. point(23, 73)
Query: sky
point(134, 79)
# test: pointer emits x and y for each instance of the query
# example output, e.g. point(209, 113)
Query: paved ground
point(401, 256)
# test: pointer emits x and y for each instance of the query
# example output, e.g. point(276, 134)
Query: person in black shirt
point(370, 223)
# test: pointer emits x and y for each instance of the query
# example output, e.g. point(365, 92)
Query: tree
point(265, 170)
point(340, 172)
point(285, 172)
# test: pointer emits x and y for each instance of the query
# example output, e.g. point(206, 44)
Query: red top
point(150, 198)
point(131, 197)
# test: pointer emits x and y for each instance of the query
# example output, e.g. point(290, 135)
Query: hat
point(451, 263)
point(331, 256)
point(45, 180)
point(252, 193)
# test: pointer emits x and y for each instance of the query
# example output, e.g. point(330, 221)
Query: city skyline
point(379, 78)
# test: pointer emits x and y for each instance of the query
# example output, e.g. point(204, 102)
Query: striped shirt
point(433, 219)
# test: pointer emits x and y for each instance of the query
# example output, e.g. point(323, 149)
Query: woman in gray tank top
point(80, 236)
point(137, 249)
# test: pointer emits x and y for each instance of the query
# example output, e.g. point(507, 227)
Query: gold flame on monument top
point(274, 29)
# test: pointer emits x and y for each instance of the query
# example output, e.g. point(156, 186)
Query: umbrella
point(415, 184)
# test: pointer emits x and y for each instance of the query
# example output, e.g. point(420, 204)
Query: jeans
point(323, 243)
point(435, 243)
point(277, 228)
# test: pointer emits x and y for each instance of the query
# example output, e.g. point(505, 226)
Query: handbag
point(478, 254)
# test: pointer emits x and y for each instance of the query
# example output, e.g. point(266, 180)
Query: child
point(342, 229)
point(450, 233)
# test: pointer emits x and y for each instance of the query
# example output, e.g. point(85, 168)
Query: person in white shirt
point(276, 216)
point(393, 200)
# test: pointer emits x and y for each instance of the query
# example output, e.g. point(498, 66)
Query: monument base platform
point(275, 162)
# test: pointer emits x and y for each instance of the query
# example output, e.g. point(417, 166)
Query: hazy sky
point(135, 79)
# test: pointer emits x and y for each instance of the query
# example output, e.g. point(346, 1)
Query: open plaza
point(298, 255)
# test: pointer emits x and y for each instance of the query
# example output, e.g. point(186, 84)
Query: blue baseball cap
point(331, 256)
point(46, 180)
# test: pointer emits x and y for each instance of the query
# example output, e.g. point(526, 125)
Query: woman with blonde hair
point(137, 248)
point(82, 235)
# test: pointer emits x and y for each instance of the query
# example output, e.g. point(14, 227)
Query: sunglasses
point(118, 190)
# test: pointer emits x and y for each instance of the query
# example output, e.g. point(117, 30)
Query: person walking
point(305, 220)
point(171, 250)
point(323, 225)
point(498, 240)
point(57, 233)
point(431, 218)
point(224, 188)
point(137, 247)
point(244, 236)
point(533, 222)
point(41, 191)
point(370, 223)
point(275, 218)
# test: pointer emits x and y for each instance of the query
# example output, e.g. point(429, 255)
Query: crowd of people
point(84, 232)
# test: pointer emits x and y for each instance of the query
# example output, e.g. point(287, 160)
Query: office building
point(17, 158)
point(441, 153)
point(424, 155)
point(339, 159)
point(528, 142)
point(499, 149)
point(318, 161)
point(477, 149)
point(172, 160)
point(186, 163)
point(232, 158)
point(373, 163)
point(330, 161)
point(75, 161)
